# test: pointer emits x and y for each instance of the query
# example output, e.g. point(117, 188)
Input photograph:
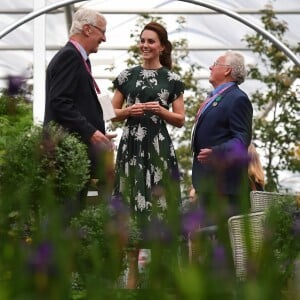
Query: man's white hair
point(85, 16)
point(237, 63)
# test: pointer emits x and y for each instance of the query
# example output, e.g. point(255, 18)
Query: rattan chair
point(261, 200)
point(246, 236)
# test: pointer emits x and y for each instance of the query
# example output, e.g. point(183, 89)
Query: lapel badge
point(215, 104)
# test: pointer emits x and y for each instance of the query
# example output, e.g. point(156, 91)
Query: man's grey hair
point(237, 63)
point(85, 16)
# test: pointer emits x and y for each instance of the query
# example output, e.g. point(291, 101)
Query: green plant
point(41, 157)
point(283, 237)
point(104, 232)
point(15, 117)
point(41, 169)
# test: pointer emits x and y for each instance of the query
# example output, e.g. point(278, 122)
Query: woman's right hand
point(136, 110)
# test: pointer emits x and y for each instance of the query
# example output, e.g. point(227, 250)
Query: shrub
point(283, 237)
point(40, 159)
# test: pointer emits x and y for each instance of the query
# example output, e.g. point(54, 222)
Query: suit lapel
point(218, 100)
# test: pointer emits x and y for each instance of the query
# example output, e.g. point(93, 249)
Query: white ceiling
point(208, 34)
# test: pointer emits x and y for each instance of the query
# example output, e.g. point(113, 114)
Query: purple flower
point(191, 220)
point(117, 205)
point(14, 84)
point(233, 154)
point(41, 259)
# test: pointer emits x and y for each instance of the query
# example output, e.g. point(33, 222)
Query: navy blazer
point(226, 127)
point(71, 99)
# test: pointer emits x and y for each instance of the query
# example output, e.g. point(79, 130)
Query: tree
point(276, 125)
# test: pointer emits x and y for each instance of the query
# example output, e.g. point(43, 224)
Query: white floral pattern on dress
point(123, 76)
point(157, 175)
point(141, 201)
point(141, 133)
point(162, 203)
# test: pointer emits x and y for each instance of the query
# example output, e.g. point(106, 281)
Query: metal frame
point(216, 8)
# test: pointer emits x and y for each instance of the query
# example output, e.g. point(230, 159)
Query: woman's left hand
point(152, 106)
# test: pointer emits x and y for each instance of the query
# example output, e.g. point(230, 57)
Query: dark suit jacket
point(71, 99)
point(226, 127)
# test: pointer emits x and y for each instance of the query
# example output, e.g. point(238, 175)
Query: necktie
point(89, 64)
point(203, 106)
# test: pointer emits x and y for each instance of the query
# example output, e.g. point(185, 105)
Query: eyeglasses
point(218, 64)
point(101, 30)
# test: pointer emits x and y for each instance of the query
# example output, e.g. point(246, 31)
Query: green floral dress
point(147, 175)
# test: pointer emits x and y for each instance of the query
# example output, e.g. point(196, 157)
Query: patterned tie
point(203, 106)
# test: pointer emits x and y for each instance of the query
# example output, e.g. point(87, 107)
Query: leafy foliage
point(15, 117)
point(283, 238)
point(276, 125)
point(38, 157)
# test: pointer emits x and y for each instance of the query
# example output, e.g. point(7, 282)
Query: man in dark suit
point(222, 133)
point(71, 91)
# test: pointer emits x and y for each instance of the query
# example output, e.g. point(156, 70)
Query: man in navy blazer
point(221, 136)
point(71, 91)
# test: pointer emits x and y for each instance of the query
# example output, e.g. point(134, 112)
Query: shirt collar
point(81, 50)
point(222, 86)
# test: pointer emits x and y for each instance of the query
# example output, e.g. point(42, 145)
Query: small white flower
point(161, 137)
point(124, 147)
point(164, 96)
point(123, 76)
point(141, 202)
point(126, 169)
point(157, 175)
point(154, 119)
point(122, 184)
point(156, 144)
point(173, 76)
point(148, 73)
point(153, 81)
point(141, 133)
point(165, 165)
point(162, 203)
point(132, 161)
point(148, 179)
point(172, 151)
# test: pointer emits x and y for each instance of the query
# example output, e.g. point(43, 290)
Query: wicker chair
point(246, 236)
point(261, 200)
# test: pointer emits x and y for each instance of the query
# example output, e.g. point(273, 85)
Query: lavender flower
point(15, 84)
point(41, 260)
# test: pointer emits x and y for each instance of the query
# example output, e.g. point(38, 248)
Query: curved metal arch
point(243, 20)
point(35, 14)
point(214, 7)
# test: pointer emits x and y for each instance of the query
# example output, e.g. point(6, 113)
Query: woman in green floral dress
point(147, 175)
